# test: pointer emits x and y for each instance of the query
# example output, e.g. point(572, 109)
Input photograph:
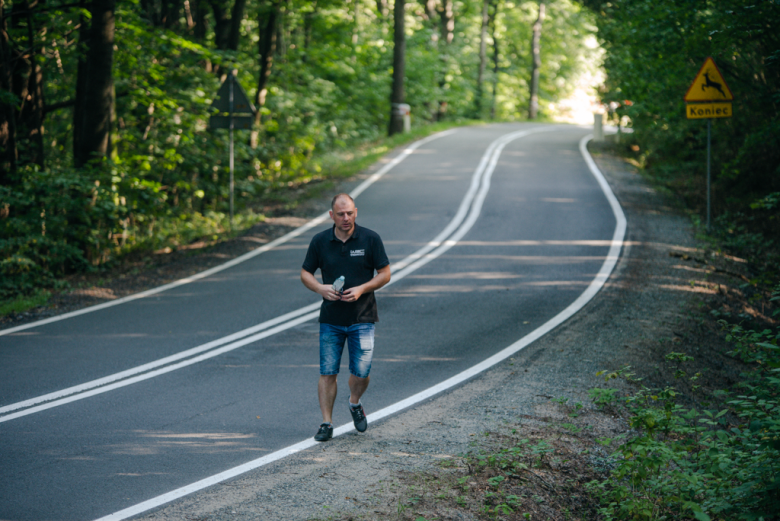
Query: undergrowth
point(720, 461)
point(53, 233)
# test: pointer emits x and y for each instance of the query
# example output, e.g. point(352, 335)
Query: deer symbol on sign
point(712, 84)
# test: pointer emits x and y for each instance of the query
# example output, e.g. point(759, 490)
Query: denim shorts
point(360, 340)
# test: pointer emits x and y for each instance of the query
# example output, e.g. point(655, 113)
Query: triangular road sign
point(709, 85)
point(241, 103)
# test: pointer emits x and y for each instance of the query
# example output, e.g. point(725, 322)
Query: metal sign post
point(708, 97)
point(232, 99)
point(709, 210)
point(232, 80)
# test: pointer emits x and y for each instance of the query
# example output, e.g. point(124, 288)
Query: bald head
point(339, 197)
point(343, 213)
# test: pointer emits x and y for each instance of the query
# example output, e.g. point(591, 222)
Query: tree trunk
point(199, 17)
point(308, 25)
point(266, 50)
point(430, 9)
point(8, 152)
point(281, 45)
point(221, 24)
point(21, 120)
point(235, 24)
point(31, 113)
point(492, 23)
point(170, 12)
point(355, 27)
point(482, 59)
point(533, 104)
point(399, 56)
point(447, 18)
point(381, 8)
point(95, 85)
point(447, 31)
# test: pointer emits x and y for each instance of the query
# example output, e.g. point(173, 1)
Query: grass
point(24, 303)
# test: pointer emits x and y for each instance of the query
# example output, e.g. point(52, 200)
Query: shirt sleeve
point(312, 260)
point(379, 254)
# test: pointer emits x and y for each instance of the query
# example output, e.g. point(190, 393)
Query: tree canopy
point(653, 51)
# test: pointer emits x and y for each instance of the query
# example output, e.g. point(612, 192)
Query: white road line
point(400, 270)
point(143, 368)
point(598, 282)
point(238, 260)
point(214, 343)
point(491, 158)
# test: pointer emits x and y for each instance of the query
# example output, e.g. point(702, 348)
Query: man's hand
point(352, 294)
point(381, 278)
point(328, 293)
point(325, 290)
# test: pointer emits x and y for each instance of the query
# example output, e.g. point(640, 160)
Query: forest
point(108, 151)
point(107, 147)
point(105, 106)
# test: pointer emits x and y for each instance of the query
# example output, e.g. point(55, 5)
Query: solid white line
point(254, 253)
point(214, 343)
point(491, 158)
point(598, 282)
point(127, 377)
point(164, 370)
point(157, 363)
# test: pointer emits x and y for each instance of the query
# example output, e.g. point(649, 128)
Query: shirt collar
point(355, 233)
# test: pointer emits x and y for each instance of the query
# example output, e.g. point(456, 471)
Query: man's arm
point(381, 278)
point(326, 290)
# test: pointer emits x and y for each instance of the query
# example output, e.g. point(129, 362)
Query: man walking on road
point(348, 313)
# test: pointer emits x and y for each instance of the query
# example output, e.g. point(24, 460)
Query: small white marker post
point(598, 126)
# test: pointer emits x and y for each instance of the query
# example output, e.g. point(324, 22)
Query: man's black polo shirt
point(356, 259)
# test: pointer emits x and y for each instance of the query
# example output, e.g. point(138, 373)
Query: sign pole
point(231, 100)
point(231, 150)
point(709, 127)
point(708, 97)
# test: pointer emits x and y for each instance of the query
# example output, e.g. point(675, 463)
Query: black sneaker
point(325, 433)
point(359, 418)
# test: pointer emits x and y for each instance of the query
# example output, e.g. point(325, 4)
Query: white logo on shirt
point(357, 253)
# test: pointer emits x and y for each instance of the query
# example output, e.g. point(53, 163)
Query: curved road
point(541, 236)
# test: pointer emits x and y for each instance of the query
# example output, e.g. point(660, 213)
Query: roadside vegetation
point(105, 146)
point(695, 432)
point(696, 435)
point(703, 448)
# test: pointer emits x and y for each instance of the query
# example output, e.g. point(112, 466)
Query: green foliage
point(653, 52)
point(166, 181)
point(708, 464)
point(22, 304)
point(603, 397)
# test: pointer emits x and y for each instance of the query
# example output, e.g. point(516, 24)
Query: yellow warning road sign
point(709, 85)
point(708, 110)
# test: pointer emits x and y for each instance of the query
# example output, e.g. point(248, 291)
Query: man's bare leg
point(357, 386)
point(326, 390)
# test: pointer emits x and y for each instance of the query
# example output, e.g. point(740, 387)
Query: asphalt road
point(542, 234)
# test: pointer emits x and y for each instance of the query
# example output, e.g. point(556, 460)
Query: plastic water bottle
point(338, 285)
